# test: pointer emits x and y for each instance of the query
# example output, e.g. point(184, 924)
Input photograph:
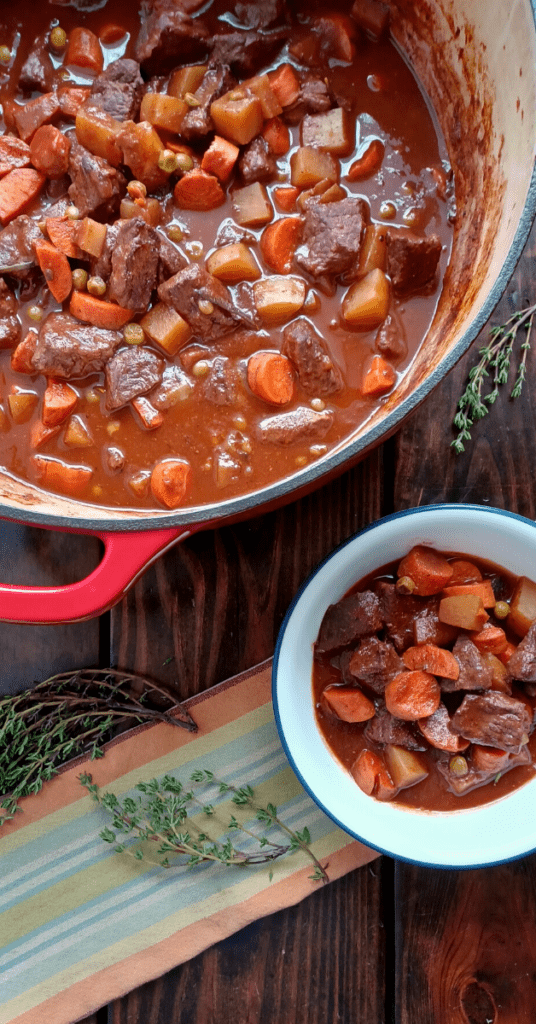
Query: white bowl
point(495, 832)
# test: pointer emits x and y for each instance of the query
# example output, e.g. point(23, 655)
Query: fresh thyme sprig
point(162, 814)
point(72, 713)
point(496, 357)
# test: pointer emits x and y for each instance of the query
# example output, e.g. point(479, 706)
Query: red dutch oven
point(480, 74)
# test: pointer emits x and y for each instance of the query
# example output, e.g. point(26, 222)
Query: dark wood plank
point(207, 610)
point(465, 941)
point(32, 556)
point(467, 945)
point(318, 963)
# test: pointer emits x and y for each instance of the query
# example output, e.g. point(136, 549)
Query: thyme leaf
point(167, 813)
point(493, 368)
point(70, 714)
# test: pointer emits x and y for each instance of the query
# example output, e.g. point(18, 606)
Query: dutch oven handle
point(126, 556)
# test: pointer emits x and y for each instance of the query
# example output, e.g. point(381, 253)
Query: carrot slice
point(412, 695)
point(270, 377)
point(483, 590)
point(150, 417)
point(59, 401)
point(17, 189)
point(63, 233)
point(490, 640)
point(84, 50)
point(278, 243)
point(429, 570)
point(464, 572)
point(60, 476)
point(348, 703)
point(170, 481)
point(50, 150)
point(220, 158)
point(22, 355)
point(286, 197)
point(99, 312)
point(277, 136)
point(39, 434)
point(197, 190)
point(111, 33)
point(488, 758)
point(505, 655)
point(368, 163)
point(285, 83)
point(378, 378)
point(432, 659)
point(56, 268)
point(371, 775)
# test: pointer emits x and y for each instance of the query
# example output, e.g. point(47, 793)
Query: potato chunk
point(167, 112)
point(163, 325)
point(366, 303)
point(185, 80)
point(251, 205)
point(308, 166)
point(234, 263)
point(97, 131)
point(330, 132)
point(278, 299)
point(237, 116)
point(523, 606)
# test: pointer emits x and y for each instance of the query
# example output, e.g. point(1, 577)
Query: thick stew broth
point(191, 396)
point(451, 778)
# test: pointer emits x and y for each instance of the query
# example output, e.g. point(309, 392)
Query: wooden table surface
point(390, 942)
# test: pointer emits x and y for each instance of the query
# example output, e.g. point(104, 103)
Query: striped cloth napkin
point(82, 925)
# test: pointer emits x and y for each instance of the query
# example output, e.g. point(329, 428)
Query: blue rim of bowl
point(275, 663)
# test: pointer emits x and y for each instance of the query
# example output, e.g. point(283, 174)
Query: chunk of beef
point(17, 254)
point(494, 720)
point(374, 663)
point(428, 629)
point(37, 72)
point(314, 98)
point(66, 348)
point(134, 265)
point(215, 82)
point(522, 664)
point(350, 619)
point(308, 351)
point(219, 387)
point(131, 372)
point(193, 286)
point(175, 386)
point(229, 233)
point(170, 259)
point(94, 184)
point(372, 16)
point(412, 261)
point(301, 425)
point(385, 728)
point(475, 673)
point(10, 328)
point(462, 784)
point(260, 13)
point(331, 236)
point(390, 340)
point(399, 612)
point(102, 266)
point(169, 36)
point(119, 89)
point(246, 52)
point(257, 162)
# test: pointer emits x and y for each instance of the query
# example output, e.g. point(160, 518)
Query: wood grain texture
point(466, 941)
point(318, 963)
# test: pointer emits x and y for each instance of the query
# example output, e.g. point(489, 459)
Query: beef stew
point(224, 235)
point(424, 681)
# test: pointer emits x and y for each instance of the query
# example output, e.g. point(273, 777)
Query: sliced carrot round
point(271, 377)
point(170, 480)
